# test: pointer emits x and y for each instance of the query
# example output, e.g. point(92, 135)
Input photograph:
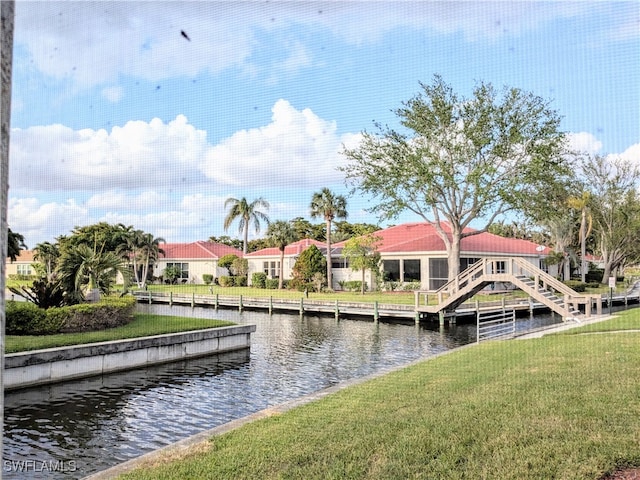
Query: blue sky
point(117, 117)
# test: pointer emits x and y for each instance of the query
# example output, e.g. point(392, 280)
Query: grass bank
point(561, 406)
point(143, 325)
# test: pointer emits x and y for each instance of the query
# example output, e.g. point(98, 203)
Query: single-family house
point(194, 260)
point(22, 266)
point(267, 260)
point(411, 252)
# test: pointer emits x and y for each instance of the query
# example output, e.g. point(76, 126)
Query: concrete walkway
point(562, 327)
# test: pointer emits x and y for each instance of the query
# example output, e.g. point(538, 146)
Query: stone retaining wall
point(64, 363)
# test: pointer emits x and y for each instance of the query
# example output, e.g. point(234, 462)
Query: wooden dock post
point(270, 304)
point(193, 299)
point(337, 311)
point(240, 304)
point(171, 299)
point(375, 311)
point(216, 302)
point(441, 317)
point(149, 298)
point(301, 305)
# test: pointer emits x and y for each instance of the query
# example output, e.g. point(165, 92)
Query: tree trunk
point(329, 282)
point(7, 13)
point(281, 269)
point(583, 246)
point(362, 286)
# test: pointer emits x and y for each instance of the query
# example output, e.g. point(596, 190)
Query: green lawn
point(143, 325)
point(561, 406)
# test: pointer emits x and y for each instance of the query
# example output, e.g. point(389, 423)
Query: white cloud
point(584, 142)
point(136, 155)
point(297, 148)
point(40, 222)
point(113, 94)
point(632, 154)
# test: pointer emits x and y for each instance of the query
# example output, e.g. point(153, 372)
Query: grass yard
point(143, 325)
point(563, 406)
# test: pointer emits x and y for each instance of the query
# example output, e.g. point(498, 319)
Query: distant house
point(411, 252)
point(194, 259)
point(23, 265)
point(267, 260)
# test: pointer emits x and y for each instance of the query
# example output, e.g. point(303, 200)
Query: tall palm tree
point(582, 203)
point(47, 254)
point(149, 250)
point(328, 206)
point(247, 213)
point(280, 234)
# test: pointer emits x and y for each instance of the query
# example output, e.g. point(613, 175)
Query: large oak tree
point(459, 160)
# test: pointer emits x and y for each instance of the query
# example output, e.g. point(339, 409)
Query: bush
point(226, 281)
point(258, 279)
point(352, 285)
point(576, 285)
point(271, 283)
point(207, 278)
point(411, 286)
point(25, 318)
point(240, 281)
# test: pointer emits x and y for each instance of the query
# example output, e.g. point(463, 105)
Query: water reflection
point(95, 423)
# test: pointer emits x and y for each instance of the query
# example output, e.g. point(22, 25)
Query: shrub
point(24, 318)
point(240, 281)
point(271, 283)
point(352, 285)
point(411, 286)
point(576, 285)
point(207, 278)
point(226, 281)
point(258, 279)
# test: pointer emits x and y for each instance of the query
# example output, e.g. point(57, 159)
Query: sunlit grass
point(562, 406)
point(143, 325)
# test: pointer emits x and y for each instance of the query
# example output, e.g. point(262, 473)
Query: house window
point(411, 270)
point(339, 262)
point(499, 266)
point(184, 269)
point(271, 269)
point(438, 272)
point(23, 269)
point(467, 262)
point(391, 269)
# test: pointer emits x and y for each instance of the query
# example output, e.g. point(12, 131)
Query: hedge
point(25, 318)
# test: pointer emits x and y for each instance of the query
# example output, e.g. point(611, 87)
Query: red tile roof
point(295, 248)
point(422, 237)
point(197, 251)
point(24, 256)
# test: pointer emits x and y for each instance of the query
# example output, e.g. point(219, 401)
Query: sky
point(119, 117)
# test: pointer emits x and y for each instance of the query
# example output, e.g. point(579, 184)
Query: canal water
point(80, 427)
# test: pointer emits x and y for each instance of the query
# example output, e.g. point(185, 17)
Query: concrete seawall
point(52, 365)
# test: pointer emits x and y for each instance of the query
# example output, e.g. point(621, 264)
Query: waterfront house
point(194, 260)
point(22, 266)
point(411, 253)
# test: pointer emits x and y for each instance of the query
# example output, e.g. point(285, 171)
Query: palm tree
point(47, 254)
point(247, 213)
point(328, 206)
point(141, 249)
point(149, 251)
point(280, 234)
point(82, 265)
point(581, 203)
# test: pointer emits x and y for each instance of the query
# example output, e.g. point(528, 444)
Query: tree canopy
point(458, 160)
point(247, 214)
